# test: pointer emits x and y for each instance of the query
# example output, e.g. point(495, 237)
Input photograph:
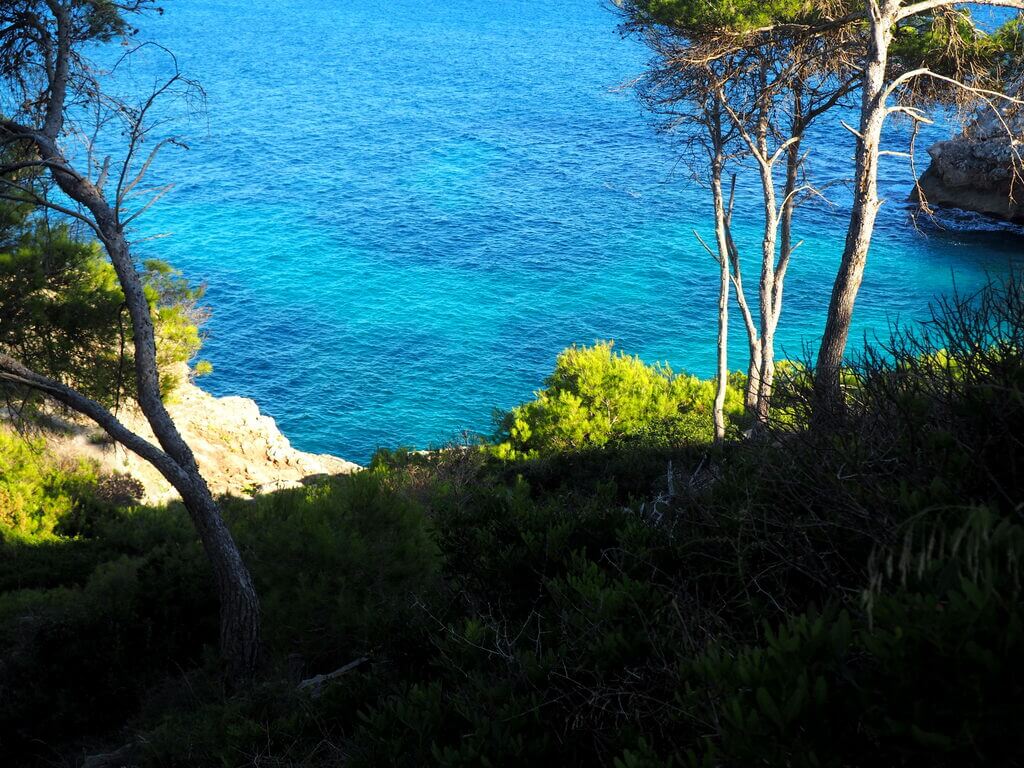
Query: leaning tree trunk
point(827, 380)
point(239, 604)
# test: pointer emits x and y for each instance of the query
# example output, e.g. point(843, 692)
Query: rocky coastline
point(981, 169)
point(240, 450)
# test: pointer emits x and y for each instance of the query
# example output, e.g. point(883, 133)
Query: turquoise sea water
point(405, 209)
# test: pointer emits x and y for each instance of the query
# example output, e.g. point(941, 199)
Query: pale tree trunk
point(882, 16)
point(786, 248)
point(721, 236)
point(753, 337)
point(753, 375)
point(761, 336)
point(827, 380)
point(766, 285)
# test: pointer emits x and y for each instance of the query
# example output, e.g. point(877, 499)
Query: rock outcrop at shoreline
point(982, 169)
point(240, 451)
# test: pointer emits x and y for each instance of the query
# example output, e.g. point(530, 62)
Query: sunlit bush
point(596, 395)
point(36, 490)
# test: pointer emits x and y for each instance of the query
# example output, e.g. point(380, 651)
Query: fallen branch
point(119, 758)
point(315, 684)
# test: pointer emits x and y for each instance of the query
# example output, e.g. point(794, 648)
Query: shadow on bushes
point(847, 596)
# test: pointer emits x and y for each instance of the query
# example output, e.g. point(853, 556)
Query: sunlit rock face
point(982, 169)
point(239, 449)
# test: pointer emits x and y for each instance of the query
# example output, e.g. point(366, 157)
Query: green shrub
point(931, 680)
point(36, 490)
point(89, 625)
point(338, 565)
point(840, 597)
point(177, 320)
point(62, 310)
point(596, 395)
point(76, 659)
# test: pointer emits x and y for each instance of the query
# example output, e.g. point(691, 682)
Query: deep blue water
point(405, 209)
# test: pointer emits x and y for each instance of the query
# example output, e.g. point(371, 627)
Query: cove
point(404, 210)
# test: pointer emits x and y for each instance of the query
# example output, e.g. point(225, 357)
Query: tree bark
point(239, 613)
point(786, 247)
point(753, 338)
point(239, 605)
point(761, 370)
point(766, 285)
point(753, 377)
point(240, 644)
point(766, 357)
point(721, 236)
point(828, 371)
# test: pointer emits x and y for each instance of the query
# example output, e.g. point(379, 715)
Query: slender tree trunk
point(827, 380)
point(778, 277)
point(753, 376)
point(721, 236)
point(753, 338)
point(766, 286)
point(239, 605)
point(240, 644)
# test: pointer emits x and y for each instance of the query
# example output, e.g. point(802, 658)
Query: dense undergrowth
point(848, 596)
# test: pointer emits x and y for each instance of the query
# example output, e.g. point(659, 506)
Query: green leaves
point(728, 16)
point(36, 490)
point(952, 43)
point(62, 311)
point(596, 395)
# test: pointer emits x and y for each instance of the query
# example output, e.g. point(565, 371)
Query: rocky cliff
point(240, 450)
point(982, 169)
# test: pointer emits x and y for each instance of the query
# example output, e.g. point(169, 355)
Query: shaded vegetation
point(846, 597)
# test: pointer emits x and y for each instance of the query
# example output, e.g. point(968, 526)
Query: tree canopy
point(952, 39)
point(736, 16)
point(62, 309)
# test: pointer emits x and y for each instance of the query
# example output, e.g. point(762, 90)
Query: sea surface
point(403, 210)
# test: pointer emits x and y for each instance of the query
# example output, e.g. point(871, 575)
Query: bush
point(76, 658)
point(848, 596)
point(62, 311)
point(36, 490)
point(89, 625)
point(338, 566)
point(596, 395)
